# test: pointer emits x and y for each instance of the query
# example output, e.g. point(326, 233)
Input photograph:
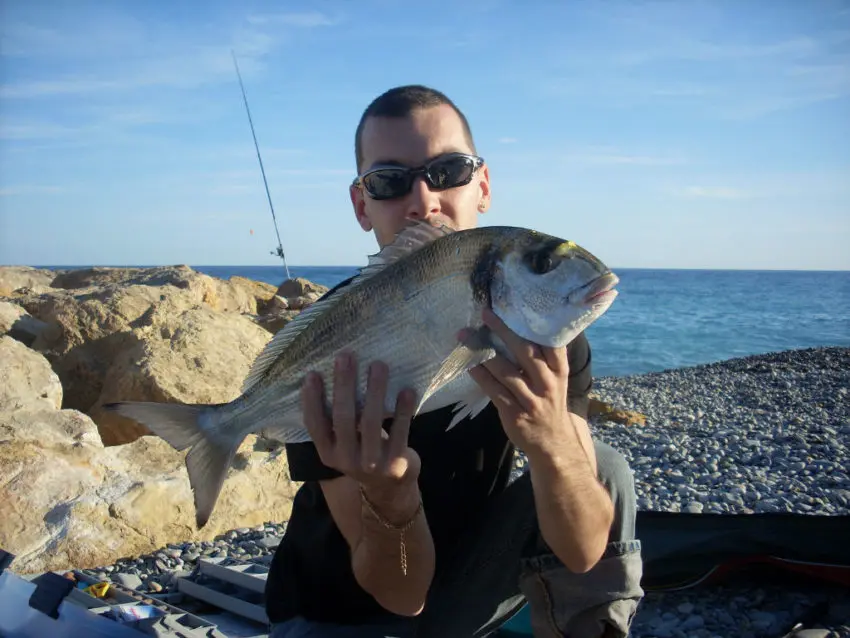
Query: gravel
point(763, 433)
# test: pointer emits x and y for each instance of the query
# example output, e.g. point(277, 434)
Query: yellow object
point(98, 590)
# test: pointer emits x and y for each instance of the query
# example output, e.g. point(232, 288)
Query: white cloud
point(714, 192)
point(307, 19)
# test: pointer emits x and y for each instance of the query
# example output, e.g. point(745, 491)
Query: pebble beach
point(754, 434)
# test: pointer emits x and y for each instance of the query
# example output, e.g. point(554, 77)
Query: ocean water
point(666, 319)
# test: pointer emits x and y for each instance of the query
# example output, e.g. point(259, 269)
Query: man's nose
point(422, 202)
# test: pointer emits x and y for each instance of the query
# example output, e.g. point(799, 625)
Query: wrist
point(396, 502)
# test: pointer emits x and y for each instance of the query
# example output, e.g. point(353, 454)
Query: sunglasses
point(449, 171)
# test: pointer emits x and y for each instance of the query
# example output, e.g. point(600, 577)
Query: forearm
point(574, 510)
point(377, 557)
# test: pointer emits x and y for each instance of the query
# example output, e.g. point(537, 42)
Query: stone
point(197, 356)
point(26, 378)
point(19, 324)
point(300, 287)
point(14, 278)
point(69, 502)
point(608, 412)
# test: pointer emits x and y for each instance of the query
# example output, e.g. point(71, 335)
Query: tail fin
point(188, 426)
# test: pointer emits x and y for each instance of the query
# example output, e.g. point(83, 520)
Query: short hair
point(401, 101)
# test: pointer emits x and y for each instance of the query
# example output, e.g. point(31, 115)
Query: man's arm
point(376, 550)
point(574, 510)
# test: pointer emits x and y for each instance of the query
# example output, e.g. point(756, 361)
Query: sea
point(666, 319)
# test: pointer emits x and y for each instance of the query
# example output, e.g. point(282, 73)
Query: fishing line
point(279, 251)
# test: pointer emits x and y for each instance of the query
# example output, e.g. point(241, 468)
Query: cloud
point(507, 140)
point(607, 156)
point(120, 55)
point(307, 19)
point(704, 192)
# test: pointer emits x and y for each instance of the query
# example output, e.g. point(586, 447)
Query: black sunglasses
point(448, 171)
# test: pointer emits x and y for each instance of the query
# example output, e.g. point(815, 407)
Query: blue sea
point(667, 319)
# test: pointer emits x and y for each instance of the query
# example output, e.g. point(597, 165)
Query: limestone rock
point(198, 356)
point(26, 378)
point(609, 412)
point(68, 502)
point(299, 287)
point(13, 278)
point(19, 324)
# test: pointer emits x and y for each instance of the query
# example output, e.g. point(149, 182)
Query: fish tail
point(194, 427)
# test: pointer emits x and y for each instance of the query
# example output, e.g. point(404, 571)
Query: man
point(419, 532)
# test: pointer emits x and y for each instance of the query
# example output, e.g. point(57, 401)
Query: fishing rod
point(279, 251)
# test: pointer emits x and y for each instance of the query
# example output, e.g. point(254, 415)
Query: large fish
point(406, 308)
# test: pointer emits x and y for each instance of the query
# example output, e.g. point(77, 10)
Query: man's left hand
point(531, 395)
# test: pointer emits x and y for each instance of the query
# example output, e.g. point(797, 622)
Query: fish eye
point(541, 262)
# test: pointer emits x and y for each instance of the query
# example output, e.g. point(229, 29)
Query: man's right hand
point(356, 444)
point(387, 470)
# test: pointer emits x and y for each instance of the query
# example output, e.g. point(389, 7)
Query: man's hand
point(531, 395)
point(356, 444)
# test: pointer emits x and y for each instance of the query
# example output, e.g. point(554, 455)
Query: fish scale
point(406, 308)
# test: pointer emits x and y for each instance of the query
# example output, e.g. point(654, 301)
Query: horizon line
point(356, 266)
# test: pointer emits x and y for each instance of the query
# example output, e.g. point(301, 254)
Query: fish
point(417, 306)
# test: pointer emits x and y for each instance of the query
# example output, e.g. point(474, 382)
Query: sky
point(687, 134)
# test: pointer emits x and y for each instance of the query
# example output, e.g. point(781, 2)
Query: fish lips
point(599, 291)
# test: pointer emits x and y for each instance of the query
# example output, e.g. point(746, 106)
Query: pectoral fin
point(473, 350)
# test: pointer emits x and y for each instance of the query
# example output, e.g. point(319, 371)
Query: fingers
point(405, 405)
point(315, 419)
point(510, 377)
point(533, 358)
point(371, 422)
point(529, 355)
point(344, 408)
point(500, 396)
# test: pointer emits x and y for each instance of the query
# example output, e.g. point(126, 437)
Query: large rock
point(13, 278)
point(197, 356)
point(67, 501)
point(19, 324)
point(26, 378)
point(89, 316)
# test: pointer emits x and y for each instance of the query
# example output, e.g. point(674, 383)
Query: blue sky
point(683, 134)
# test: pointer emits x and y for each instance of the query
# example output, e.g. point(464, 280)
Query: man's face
point(411, 142)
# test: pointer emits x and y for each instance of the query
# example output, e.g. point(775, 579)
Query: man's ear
point(484, 183)
point(358, 201)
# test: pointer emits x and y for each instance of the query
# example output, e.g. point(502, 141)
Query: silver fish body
point(407, 308)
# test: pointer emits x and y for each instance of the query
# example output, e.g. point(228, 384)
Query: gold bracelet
point(400, 528)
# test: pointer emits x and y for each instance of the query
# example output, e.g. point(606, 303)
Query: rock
point(273, 322)
point(610, 413)
point(276, 304)
point(198, 356)
point(89, 318)
point(26, 378)
point(68, 502)
point(13, 278)
point(130, 581)
point(18, 324)
point(300, 287)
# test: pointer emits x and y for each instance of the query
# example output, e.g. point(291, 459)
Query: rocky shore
point(81, 489)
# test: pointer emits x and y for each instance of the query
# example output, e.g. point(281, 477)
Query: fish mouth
point(600, 290)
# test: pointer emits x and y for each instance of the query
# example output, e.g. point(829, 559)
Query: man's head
point(413, 127)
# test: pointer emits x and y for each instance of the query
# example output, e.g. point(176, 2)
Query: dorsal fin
point(413, 237)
